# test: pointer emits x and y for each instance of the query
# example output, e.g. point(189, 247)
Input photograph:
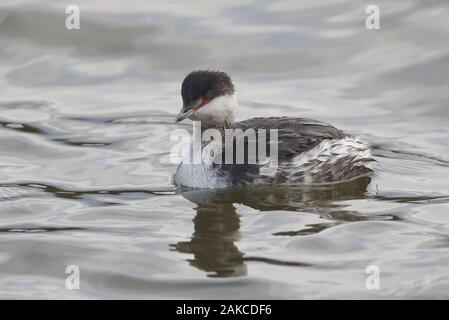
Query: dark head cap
point(205, 85)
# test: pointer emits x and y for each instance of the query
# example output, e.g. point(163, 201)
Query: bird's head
point(209, 97)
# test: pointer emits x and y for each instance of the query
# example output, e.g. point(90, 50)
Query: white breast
point(202, 175)
point(198, 176)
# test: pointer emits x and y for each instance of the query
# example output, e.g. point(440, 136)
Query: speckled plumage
point(309, 151)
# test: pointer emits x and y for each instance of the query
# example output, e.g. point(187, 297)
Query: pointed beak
point(184, 114)
point(188, 110)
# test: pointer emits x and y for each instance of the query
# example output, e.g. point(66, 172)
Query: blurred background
point(85, 175)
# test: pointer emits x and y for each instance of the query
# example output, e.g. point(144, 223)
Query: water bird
point(307, 151)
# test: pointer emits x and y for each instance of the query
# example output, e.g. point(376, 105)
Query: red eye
point(205, 101)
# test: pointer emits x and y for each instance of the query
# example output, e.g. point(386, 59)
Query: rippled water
point(85, 176)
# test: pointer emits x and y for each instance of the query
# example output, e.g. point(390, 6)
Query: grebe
point(308, 151)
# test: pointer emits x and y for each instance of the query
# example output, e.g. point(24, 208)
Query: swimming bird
point(306, 151)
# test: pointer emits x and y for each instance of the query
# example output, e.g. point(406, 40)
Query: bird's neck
point(220, 126)
point(219, 113)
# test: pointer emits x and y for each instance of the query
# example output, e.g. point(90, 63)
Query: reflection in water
point(213, 241)
point(217, 223)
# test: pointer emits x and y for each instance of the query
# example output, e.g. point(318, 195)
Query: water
point(85, 176)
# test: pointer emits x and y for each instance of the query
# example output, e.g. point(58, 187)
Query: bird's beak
point(184, 113)
point(188, 110)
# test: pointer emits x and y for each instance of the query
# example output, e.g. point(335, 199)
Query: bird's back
point(308, 151)
point(295, 135)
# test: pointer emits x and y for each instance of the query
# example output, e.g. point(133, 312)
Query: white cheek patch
point(219, 110)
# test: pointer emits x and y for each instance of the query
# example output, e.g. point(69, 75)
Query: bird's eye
point(205, 101)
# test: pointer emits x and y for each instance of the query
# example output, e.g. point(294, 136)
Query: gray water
point(86, 178)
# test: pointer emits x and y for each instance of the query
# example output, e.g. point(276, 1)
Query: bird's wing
point(295, 135)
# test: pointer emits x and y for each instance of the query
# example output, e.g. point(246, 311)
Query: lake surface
point(85, 172)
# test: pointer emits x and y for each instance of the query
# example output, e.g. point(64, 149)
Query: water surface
point(85, 172)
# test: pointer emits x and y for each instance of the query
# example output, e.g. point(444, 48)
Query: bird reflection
point(213, 241)
point(217, 224)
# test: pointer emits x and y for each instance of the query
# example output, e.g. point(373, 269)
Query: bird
point(302, 151)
